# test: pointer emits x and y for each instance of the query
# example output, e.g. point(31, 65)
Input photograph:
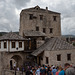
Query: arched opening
point(15, 61)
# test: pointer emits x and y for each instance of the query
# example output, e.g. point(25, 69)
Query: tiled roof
point(11, 36)
point(39, 10)
point(54, 44)
point(33, 33)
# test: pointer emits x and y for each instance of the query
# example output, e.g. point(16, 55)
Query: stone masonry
point(42, 19)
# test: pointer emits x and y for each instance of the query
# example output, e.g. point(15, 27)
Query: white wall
point(10, 47)
point(2, 46)
point(17, 46)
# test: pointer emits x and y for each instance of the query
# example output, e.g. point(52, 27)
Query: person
point(38, 71)
point(59, 69)
point(50, 72)
point(22, 69)
point(14, 65)
point(34, 72)
point(28, 72)
point(48, 67)
point(70, 71)
point(54, 70)
point(42, 71)
point(62, 72)
point(17, 68)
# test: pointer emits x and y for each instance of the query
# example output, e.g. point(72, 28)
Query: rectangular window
point(43, 38)
point(44, 30)
point(41, 17)
point(37, 28)
point(54, 18)
point(0, 44)
point(13, 44)
point(68, 57)
point(46, 60)
point(5, 44)
point(59, 57)
point(30, 16)
point(20, 44)
point(51, 30)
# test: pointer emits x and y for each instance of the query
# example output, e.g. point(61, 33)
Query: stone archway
point(16, 61)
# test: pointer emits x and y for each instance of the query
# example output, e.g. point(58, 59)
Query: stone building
point(38, 40)
point(42, 20)
point(11, 51)
point(55, 52)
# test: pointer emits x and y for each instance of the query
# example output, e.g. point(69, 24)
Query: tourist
point(38, 71)
point(54, 70)
point(50, 72)
point(14, 65)
point(34, 72)
point(17, 68)
point(28, 72)
point(48, 67)
point(70, 71)
point(22, 69)
point(59, 69)
point(43, 71)
point(62, 72)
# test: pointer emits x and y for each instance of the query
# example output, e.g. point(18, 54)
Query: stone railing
point(12, 72)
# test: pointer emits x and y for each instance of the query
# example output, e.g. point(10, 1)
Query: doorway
point(11, 66)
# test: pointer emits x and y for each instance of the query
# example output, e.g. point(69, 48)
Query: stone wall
point(52, 55)
point(1, 62)
point(5, 58)
point(47, 22)
point(12, 72)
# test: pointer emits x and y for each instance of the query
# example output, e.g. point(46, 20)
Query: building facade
point(42, 20)
point(55, 52)
point(38, 40)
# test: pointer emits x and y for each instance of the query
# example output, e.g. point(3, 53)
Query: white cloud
point(10, 10)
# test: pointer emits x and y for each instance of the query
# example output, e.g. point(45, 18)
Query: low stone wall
point(12, 72)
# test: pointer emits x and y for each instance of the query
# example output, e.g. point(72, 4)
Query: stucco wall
point(9, 47)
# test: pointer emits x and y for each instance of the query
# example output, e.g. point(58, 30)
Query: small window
point(54, 18)
point(46, 60)
point(51, 30)
point(0, 44)
point(68, 57)
point(37, 28)
point(44, 30)
point(30, 16)
point(13, 44)
point(36, 8)
point(43, 38)
point(20, 44)
point(67, 39)
point(5, 44)
point(41, 17)
point(59, 57)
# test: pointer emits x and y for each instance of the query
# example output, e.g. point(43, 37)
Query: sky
point(10, 13)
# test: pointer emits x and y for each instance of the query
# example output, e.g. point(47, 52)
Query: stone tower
point(42, 20)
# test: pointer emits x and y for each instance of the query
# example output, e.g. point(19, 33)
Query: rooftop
point(33, 33)
point(11, 36)
point(53, 44)
point(37, 8)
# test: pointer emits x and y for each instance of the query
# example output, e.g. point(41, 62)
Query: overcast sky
point(10, 10)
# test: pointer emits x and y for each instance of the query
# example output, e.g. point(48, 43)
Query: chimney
point(46, 8)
